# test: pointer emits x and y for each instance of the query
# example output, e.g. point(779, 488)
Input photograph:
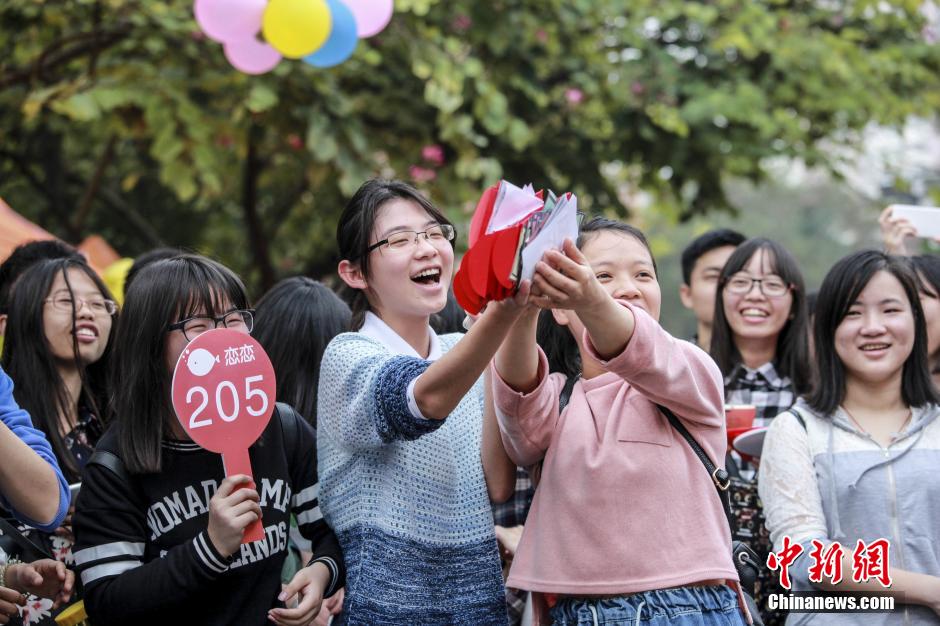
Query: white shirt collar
point(375, 328)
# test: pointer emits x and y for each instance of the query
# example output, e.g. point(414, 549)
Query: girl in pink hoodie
point(626, 526)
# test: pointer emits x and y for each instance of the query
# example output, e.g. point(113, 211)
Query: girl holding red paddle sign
point(158, 530)
point(407, 460)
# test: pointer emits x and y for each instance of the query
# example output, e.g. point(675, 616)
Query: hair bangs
point(200, 288)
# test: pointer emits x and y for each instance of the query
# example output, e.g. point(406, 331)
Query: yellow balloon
point(296, 28)
point(114, 276)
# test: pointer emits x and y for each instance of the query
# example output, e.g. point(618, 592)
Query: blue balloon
point(342, 40)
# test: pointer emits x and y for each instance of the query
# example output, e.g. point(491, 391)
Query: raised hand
point(565, 280)
point(894, 232)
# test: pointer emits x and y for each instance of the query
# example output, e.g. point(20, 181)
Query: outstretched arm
point(517, 359)
point(566, 281)
point(498, 469)
point(446, 381)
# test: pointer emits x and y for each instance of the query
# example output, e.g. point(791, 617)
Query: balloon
point(295, 28)
point(372, 16)
point(229, 20)
point(342, 41)
point(251, 56)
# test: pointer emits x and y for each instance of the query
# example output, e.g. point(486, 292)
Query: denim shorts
point(680, 606)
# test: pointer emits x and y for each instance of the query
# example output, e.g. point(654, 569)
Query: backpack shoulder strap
point(112, 462)
point(798, 416)
point(286, 413)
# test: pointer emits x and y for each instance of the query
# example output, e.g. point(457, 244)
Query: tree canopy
point(120, 117)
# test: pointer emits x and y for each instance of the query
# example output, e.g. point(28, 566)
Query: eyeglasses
point(98, 306)
point(772, 286)
point(192, 327)
point(404, 239)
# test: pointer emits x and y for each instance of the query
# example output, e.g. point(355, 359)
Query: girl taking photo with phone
point(626, 526)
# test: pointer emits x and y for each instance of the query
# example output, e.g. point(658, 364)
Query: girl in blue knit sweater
point(406, 459)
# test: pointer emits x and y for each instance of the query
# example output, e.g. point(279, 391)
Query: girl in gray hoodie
point(857, 458)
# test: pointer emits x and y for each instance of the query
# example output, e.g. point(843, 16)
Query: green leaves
point(261, 98)
point(600, 96)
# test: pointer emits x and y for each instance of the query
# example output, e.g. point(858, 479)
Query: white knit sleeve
point(787, 484)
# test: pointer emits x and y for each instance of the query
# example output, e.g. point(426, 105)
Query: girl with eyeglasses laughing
point(408, 462)
point(760, 336)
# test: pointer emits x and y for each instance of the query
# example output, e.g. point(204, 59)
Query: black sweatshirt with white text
point(142, 546)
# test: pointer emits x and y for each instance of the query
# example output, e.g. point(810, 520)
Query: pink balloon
point(251, 56)
point(372, 16)
point(229, 20)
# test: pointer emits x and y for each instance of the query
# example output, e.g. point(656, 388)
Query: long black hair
point(356, 225)
point(559, 345)
point(839, 290)
point(791, 357)
point(162, 293)
point(28, 358)
point(294, 322)
point(927, 271)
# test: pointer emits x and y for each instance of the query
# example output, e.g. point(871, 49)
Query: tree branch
point(133, 217)
point(256, 235)
point(84, 207)
point(60, 52)
point(287, 207)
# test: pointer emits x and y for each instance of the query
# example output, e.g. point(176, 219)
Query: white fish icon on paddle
point(201, 362)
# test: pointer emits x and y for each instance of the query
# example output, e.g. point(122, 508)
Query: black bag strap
point(718, 474)
point(116, 465)
point(112, 462)
point(29, 551)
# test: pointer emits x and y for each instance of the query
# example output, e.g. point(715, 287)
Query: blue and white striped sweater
point(406, 496)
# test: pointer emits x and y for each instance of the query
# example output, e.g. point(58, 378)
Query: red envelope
point(504, 255)
point(468, 301)
point(482, 214)
point(484, 274)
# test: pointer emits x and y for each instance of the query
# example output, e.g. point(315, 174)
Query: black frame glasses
point(449, 232)
point(760, 285)
point(247, 315)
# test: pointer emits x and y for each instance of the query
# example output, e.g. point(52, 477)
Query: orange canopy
point(16, 230)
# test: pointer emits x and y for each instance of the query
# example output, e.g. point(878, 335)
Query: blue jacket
point(18, 421)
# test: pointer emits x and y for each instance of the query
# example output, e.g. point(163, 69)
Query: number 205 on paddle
point(223, 395)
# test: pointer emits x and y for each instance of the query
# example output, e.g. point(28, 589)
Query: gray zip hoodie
point(822, 478)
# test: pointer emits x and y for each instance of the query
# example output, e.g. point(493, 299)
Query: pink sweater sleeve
point(670, 372)
point(527, 420)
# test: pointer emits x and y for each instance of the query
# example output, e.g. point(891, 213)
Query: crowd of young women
point(391, 441)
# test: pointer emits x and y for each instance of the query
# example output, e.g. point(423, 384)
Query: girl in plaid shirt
point(760, 341)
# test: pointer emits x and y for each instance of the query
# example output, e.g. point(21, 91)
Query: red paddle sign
point(223, 394)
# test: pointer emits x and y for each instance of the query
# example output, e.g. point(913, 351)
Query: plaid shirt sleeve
point(763, 388)
point(514, 511)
